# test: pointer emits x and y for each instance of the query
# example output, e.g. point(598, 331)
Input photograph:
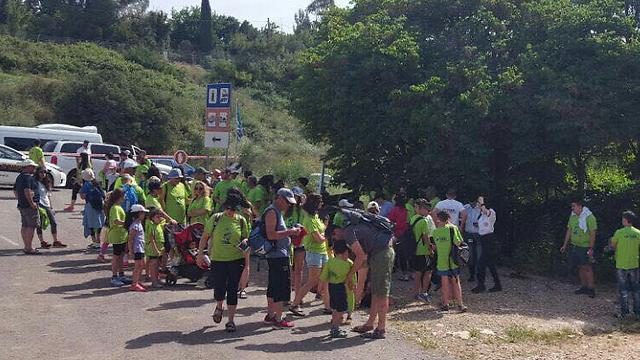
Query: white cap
point(129, 163)
point(344, 203)
point(138, 208)
point(28, 162)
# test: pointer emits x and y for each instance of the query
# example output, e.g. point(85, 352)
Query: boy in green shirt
point(447, 269)
point(423, 262)
point(581, 231)
point(36, 154)
point(335, 273)
point(626, 242)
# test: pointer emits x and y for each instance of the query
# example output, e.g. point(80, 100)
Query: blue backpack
point(258, 240)
point(130, 197)
point(95, 197)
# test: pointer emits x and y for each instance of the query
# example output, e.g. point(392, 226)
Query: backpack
point(130, 197)
point(460, 254)
point(408, 241)
point(258, 240)
point(356, 216)
point(95, 197)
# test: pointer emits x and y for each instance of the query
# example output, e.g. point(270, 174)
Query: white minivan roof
point(22, 138)
point(88, 129)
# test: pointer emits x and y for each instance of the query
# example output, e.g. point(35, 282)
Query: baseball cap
point(138, 208)
point(287, 194)
point(373, 205)
point(344, 203)
point(175, 173)
point(129, 163)
point(28, 162)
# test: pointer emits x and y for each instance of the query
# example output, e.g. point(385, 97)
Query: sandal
point(217, 315)
point(58, 244)
point(326, 311)
point(362, 329)
point(230, 327)
point(375, 335)
point(44, 245)
point(31, 252)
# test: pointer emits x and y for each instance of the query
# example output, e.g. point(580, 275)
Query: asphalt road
point(61, 306)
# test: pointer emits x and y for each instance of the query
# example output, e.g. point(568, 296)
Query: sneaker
point(582, 290)
point(230, 327)
point(496, 288)
point(282, 324)
point(156, 285)
point(318, 296)
point(125, 280)
point(58, 244)
point(295, 310)
point(337, 333)
point(463, 309)
point(425, 297)
point(269, 319)
point(44, 245)
point(591, 293)
point(68, 208)
point(137, 288)
point(242, 294)
point(116, 282)
point(201, 284)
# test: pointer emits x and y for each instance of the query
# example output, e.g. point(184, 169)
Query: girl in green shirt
point(200, 207)
point(154, 244)
point(116, 235)
point(447, 269)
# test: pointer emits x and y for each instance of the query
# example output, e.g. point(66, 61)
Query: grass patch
point(629, 327)
point(474, 333)
point(427, 343)
point(519, 334)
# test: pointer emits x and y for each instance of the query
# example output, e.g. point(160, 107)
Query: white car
point(10, 168)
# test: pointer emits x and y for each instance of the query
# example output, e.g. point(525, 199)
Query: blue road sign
point(219, 95)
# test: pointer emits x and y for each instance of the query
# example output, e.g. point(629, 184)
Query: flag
point(239, 125)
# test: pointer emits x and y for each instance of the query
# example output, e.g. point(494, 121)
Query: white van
point(22, 138)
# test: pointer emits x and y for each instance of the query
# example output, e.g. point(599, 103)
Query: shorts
point(422, 263)
point(380, 269)
point(450, 272)
point(578, 256)
point(338, 297)
point(279, 279)
point(119, 249)
point(138, 256)
point(154, 257)
point(30, 218)
point(298, 250)
point(315, 260)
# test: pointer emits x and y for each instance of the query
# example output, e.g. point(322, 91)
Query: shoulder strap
point(413, 224)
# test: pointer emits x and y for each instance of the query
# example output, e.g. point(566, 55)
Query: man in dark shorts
point(374, 245)
point(279, 282)
point(25, 190)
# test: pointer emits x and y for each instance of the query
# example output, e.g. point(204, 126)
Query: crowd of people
point(350, 251)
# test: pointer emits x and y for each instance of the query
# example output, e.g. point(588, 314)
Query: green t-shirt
point(313, 224)
point(117, 233)
point(244, 187)
point(225, 234)
point(442, 238)
point(152, 202)
point(153, 233)
point(222, 189)
point(627, 242)
point(258, 195)
point(433, 202)
point(335, 271)
point(141, 171)
point(36, 154)
point(421, 227)
point(176, 201)
point(338, 219)
point(411, 211)
point(297, 217)
point(578, 236)
point(203, 202)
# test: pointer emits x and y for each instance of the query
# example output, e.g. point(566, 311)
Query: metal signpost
point(218, 116)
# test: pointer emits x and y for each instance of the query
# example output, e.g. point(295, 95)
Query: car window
point(20, 144)
point(10, 154)
point(104, 149)
point(70, 147)
point(49, 146)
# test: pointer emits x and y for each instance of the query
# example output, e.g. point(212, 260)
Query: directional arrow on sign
point(216, 139)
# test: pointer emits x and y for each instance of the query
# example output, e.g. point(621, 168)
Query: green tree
point(205, 37)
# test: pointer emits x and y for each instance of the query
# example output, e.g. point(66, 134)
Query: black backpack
point(356, 216)
point(408, 241)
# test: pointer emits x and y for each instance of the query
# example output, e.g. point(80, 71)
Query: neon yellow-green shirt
point(422, 226)
point(153, 233)
point(442, 238)
point(627, 243)
point(117, 233)
point(36, 154)
point(579, 237)
point(258, 195)
point(313, 224)
point(335, 270)
point(203, 202)
point(176, 201)
point(222, 189)
point(226, 233)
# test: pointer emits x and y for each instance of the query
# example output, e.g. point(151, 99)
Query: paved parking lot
point(60, 306)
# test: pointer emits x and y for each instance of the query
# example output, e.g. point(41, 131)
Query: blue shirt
point(138, 240)
point(385, 208)
point(283, 245)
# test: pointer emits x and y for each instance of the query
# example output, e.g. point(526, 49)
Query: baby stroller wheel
point(171, 279)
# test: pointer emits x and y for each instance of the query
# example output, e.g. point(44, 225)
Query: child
point(335, 273)
point(117, 235)
point(136, 243)
point(626, 242)
point(154, 244)
point(447, 269)
point(423, 261)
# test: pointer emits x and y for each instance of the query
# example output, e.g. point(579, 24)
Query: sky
point(255, 11)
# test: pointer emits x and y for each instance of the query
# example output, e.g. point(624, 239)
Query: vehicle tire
point(71, 179)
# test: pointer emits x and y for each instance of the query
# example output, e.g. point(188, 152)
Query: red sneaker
point(282, 324)
point(69, 208)
point(138, 288)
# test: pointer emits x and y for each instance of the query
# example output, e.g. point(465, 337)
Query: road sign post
point(218, 116)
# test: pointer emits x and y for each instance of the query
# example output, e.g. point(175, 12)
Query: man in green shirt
point(423, 262)
point(36, 154)
point(581, 232)
point(626, 243)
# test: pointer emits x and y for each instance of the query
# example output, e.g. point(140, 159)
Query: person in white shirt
point(486, 223)
point(110, 170)
point(454, 207)
point(84, 149)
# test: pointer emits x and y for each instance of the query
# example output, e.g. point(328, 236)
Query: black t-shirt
point(25, 181)
point(370, 238)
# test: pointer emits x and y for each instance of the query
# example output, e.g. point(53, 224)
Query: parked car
point(22, 138)
point(188, 169)
point(68, 163)
point(10, 160)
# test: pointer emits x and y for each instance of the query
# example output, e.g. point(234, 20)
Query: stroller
point(183, 264)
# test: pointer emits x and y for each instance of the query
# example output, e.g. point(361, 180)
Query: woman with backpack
point(83, 164)
point(399, 215)
point(93, 218)
point(225, 235)
point(43, 183)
